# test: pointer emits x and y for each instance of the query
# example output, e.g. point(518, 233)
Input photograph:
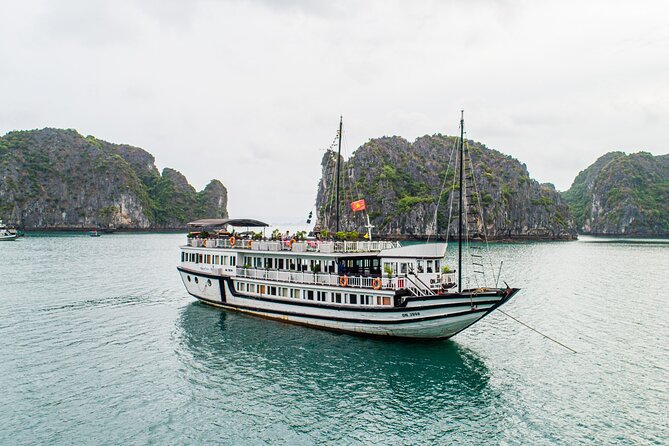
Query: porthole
point(208, 282)
point(196, 280)
point(188, 277)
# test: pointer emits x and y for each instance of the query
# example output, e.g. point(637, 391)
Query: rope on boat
point(535, 330)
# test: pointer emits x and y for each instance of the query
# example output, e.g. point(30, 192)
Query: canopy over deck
point(211, 224)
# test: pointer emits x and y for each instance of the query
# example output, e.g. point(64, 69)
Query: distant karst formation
point(59, 179)
point(401, 181)
point(622, 194)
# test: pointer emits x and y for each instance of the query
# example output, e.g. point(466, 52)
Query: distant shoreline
point(86, 229)
point(394, 237)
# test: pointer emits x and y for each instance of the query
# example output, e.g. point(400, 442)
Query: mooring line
point(534, 329)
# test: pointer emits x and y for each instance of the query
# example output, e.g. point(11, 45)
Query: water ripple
point(99, 344)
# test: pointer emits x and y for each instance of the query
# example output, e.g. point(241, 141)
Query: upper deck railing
point(325, 247)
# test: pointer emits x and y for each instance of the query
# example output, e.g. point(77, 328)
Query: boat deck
point(314, 246)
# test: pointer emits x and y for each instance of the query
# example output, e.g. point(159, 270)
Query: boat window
point(188, 277)
point(353, 298)
point(436, 266)
point(337, 298)
point(386, 300)
point(272, 290)
point(253, 287)
point(261, 289)
point(233, 261)
point(403, 268)
point(310, 295)
point(321, 296)
point(429, 266)
point(420, 266)
point(196, 280)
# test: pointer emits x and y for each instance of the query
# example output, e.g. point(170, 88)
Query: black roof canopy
point(208, 224)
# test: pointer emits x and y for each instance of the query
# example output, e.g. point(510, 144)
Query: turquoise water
point(100, 344)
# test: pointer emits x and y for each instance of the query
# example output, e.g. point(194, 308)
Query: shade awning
point(210, 224)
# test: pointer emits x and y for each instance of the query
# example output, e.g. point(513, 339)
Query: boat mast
point(462, 164)
point(338, 167)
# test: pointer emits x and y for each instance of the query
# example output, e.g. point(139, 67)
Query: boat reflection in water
point(322, 383)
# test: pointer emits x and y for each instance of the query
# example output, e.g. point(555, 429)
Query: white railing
point(320, 278)
point(295, 246)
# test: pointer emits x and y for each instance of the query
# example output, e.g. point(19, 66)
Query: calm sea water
point(100, 344)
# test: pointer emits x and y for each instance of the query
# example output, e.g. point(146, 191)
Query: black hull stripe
point(343, 319)
point(301, 303)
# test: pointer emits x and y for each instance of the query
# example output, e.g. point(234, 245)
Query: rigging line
point(443, 185)
point(483, 227)
point(451, 193)
point(358, 196)
point(330, 197)
point(535, 330)
point(346, 181)
point(480, 215)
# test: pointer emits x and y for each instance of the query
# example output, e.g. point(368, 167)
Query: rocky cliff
point(53, 178)
point(622, 194)
point(401, 183)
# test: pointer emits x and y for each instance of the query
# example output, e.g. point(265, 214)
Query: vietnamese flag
point(358, 205)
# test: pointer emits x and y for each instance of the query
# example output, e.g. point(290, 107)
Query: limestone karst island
point(53, 179)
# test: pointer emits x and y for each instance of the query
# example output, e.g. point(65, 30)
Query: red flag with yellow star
point(358, 206)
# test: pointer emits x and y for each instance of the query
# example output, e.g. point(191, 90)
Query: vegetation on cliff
point(622, 194)
point(54, 178)
point(401, 182)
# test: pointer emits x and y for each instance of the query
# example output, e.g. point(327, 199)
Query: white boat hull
point(434, 317)
point(7, 238)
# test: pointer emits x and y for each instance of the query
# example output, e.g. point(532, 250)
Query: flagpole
point(369, 227)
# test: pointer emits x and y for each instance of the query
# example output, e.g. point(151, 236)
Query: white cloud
point(251, 92)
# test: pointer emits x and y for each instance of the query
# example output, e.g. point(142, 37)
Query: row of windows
point(319, 296)
point(291, 264)
point(423, 266)
point(208, 258)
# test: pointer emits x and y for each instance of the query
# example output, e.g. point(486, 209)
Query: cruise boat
point(367, 287)
point(6, 234)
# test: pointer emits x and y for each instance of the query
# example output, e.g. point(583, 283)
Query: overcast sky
point(250, 92)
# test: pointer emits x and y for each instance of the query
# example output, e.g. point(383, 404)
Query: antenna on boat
point(341, 120)
point(462, 135)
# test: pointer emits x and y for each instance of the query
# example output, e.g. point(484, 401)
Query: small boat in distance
point(94, 233)
point(370, 287)
point(6, 233)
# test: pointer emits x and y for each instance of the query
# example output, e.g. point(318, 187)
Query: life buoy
point(292, 241)
point(376, 283)
point(233, 241)
point(204, 243)
point(249, 244)
point(343, 281)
